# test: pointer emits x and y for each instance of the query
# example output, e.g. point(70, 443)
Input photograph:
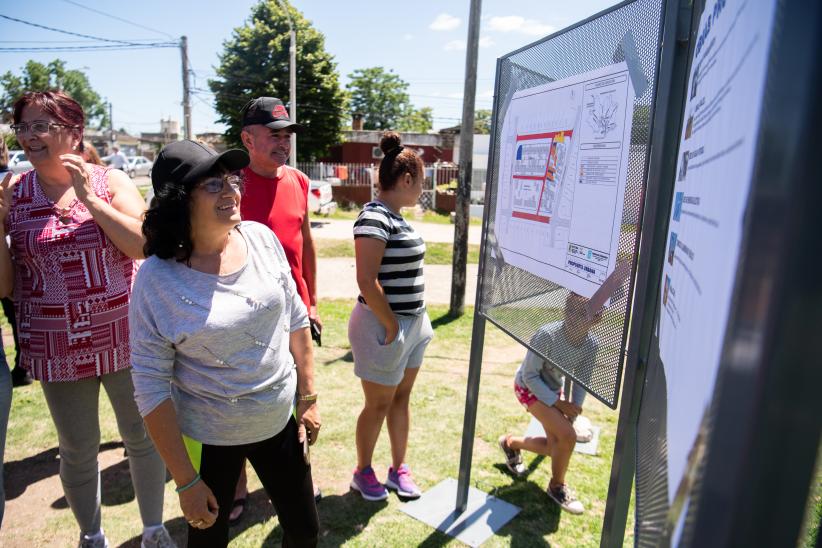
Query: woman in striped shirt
point(389, 328)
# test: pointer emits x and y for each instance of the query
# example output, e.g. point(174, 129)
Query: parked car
point(139, 165)
point(18, 163)
point(320, 199)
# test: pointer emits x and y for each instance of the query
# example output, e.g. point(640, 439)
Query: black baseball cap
point(270, 112)
point(183, 163)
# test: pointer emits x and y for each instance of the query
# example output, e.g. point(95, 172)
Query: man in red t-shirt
point(276, 195)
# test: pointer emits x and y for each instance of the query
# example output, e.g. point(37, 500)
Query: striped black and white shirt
point(401, 267)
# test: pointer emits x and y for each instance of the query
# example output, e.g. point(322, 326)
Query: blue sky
point(423, 43)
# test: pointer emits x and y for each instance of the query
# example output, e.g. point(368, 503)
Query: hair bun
point(390, 141)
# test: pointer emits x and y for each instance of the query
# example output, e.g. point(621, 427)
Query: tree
point(39, 77)
point(255, 63)
point(380, 96)
point(417, 120)
point(482, 121)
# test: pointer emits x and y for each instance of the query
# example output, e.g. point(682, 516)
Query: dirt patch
point(35, 501)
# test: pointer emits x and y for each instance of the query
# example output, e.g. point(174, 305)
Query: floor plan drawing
point(562, 170)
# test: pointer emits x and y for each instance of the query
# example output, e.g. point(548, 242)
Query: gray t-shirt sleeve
point(152, 355)
point(299, 313)
point(530, 372)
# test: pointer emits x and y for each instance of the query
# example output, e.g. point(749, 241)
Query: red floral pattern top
point(71, 285)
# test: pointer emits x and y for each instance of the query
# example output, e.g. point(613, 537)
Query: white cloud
point(454, 45)
point(459, 45)
point(485, 41)
point(445, 21)
point(455, 95)
point(517, 23)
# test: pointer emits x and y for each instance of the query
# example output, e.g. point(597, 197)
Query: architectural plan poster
point(715, 162)
point(563, 164)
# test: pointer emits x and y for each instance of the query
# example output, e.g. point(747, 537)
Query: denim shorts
point(382, 363)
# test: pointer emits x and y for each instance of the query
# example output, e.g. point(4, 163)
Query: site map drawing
point(562, 172)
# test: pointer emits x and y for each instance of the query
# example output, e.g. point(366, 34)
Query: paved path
point(336, 279)
point(336, 229)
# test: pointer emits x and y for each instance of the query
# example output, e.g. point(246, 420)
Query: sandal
point(238, 503)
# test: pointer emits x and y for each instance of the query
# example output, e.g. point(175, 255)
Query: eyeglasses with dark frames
point(215, 185)
point(38, 127)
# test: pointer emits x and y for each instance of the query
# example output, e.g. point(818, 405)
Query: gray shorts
point(386, 363)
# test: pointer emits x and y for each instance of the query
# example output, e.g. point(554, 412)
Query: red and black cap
point(270, 112)
point(183, 163)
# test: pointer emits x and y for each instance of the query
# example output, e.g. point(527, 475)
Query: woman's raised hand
point(80, 180)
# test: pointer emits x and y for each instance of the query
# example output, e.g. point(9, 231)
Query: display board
point(568, 160)
point(717, 148)
point(561, 182)
point(715, 163)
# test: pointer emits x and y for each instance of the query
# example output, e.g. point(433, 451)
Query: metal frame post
point(477, 334)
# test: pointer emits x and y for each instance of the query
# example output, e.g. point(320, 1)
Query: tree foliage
point(381, 97)
point(39, 77)
point(482, 121)
point(255, 63)
point(417, 120)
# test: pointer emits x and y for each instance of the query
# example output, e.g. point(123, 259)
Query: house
point(362, 146)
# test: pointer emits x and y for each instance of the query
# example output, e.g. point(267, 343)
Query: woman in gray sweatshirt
point(221, 351)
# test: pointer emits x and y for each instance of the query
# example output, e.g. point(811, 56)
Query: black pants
point(286, 478)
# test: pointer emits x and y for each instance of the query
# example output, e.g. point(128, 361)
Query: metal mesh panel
point(517, 301)
point(652, 461)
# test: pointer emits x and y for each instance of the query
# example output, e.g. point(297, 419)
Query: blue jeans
point(5, 406)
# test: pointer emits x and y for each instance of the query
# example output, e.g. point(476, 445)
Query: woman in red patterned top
point(75, 230)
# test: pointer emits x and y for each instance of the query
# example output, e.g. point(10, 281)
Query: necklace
point(63, 214)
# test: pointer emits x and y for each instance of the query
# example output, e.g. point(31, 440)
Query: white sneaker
point(159, 538)
point(566, 499)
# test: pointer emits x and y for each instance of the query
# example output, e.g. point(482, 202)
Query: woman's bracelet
point(307, 397)
point(188, 485)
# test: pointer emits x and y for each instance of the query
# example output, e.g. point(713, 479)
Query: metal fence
point(442, 175)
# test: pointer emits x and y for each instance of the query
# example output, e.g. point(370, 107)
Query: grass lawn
point(435, 252)
point(37, 514)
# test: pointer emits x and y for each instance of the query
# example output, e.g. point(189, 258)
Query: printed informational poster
point(563, 166)
point(715, 163)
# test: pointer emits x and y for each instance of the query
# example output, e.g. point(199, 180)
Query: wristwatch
point(307, 397)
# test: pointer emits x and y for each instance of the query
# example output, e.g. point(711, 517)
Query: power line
point(78, 4)
point(118, 47)
point(130, 43)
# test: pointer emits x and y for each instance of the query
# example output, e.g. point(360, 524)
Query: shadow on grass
point(115, 486)
point(445, 319)
point(20, 474)
point(342, 517)
point(347, 357)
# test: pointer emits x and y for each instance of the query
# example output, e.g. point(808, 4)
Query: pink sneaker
point(400, 480)
point(365, 481)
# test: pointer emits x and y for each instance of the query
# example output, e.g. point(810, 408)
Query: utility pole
point(186, 88)
point(292, 91)
point(460, 259)
point(110, 130)
point(292, 81)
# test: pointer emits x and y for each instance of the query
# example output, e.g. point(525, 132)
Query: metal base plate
point(483, 516)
